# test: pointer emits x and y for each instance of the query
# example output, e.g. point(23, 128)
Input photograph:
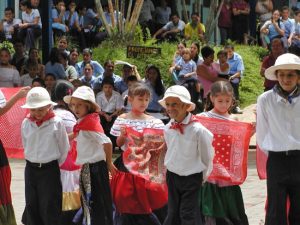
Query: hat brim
point(39, 105)
point(67, 99)
point(270, 73)
point(191, 104)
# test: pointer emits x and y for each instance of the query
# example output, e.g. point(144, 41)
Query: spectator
point(91, 24)
point(236, 66)
point(241, 10)
point(162, 15)
point(177, 57)
point(34, 61)
point(54, 66)
point(195, 51)
point(85, 31)
point(225, 21)
point(38, 82)
point(131, 80)
point(272, 28)
point(19, 58)
point(50, 81)
point(294, 39)
point(9, 25)
point(194, 30)
point(171, 30)
point(58, 17)
point(288, 25)
point(63, 44)
point(88, 79)
point(222, 66)
point(31, 26)
point(87, 58)
point(145, 18)
point(70, 71)
point(277, 49)
point(9, 76)
point(264, 10)
point(73, 57)
point(26, 79)
point(35, 3)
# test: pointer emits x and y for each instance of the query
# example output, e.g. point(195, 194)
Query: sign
point(135, 51)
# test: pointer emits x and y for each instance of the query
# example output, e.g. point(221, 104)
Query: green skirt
point(223, 202)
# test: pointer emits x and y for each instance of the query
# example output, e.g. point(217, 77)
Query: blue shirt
point(186, 67)
point(236, 64)
point(55, 15)
point(97, 68)
point(57, 69)
point(115, 78)
point(121, 86)
point(153, 104)
point(74, 18)
point(91, 83)
point(288, 27)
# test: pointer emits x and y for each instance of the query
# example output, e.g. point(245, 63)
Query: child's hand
point(187, 75)
point(112, 169)
point(22, 92)
point(123, 131)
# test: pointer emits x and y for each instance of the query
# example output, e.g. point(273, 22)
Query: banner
point(10, 126)
point(231, 143)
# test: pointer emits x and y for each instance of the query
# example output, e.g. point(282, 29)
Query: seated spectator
point(195, 51)
point(19, 58)
point(9, 76)
point(31, 26)
point(145, 17)
point(162, 15)
point(9, 25)
point(73, 57)
point(222, 66)
point(34, 61)
point(38, 82)
point(85, 30)
point(130, 81)
point(263, 9)
point(111, 104)
point(172, 30)
point(54, 66)
point(26, 79)
point(91, 24)
point(176, 58)
point(58, 17)
point(62, 44)
point(88, 79)
point(288, 25)
point(294, 39)
point(277, 49)
point(50, 81)
point(225, 21)
point(76, 83)
point(69, 70)
point(194, 30)
point(87, 54)
point(35, 4)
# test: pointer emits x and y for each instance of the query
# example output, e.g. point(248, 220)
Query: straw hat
point(37, 97)
point(286, 61)
point(84, 93)
point(180, 92)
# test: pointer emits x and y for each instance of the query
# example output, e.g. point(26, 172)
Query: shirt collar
point(186, 120)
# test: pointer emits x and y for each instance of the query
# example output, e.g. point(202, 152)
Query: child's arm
point(122, 138)
point(190, 74)
point(62, 142)
point(108, 152)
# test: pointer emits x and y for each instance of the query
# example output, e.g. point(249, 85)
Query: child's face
point(62, 44)
point(176, 109)
point(230, 53)
point(152, 75)
point(49, 82)
point(288, 79)
point(36, 84)
point(88, 71)
point(4, 57)
point(180, 48)
point(33, 72)
point(186, 56)
point(221, 103)
point(107, 89)
point(79, 107)
point(39, 113)
point(222, 58)
point(131, 83)
point(74, 56)
point(139, 103)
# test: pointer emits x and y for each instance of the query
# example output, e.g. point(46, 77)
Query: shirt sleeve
point(262, 126)
point(99, 138)
point(116, 128)
point(54, 14)
point(181, 25)
point(62, 142)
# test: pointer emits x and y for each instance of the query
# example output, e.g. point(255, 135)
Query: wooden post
point(101, 13)
point(185, 15)
point(111, 12)
point(128, 14)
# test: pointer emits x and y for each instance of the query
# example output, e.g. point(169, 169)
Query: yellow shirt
point(190, 32)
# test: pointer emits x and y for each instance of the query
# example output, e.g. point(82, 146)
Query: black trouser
point(43, 194)
point(101, 206)
point(107, 126)
point(183, 199)
point(283, 180)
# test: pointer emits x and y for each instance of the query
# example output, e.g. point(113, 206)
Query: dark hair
point(219, 87)
point(53, 57)
point(207, 51)
point(58, 1)
point(89, 65)
point(196, 58)
point(159, 87)
point(9, 9)
point(229, 47)
point(39, 80)
point(222, 52)
point(64, 55)
point(61, 89)
point(131, 78)
point(18, 40)
point(182, 42)
point(87, 50)
point(74, 50)
point(297, 12)
point(109, 81)
point(174, 14)
point(26, 3)
point(285, 8)
point(194, 14)
point(139, 89)
point(4, 49)
point(278, 39)
point(108, 62)
point(50, 75)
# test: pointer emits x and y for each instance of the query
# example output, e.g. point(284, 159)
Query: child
point(46, 145)
point(130, 81)
point(221, 204)
point(278, 134)
point(111, 104)
point(222, 65)
point(26, 79)
point(138, 97)
point(50, 81)
point(188, 159)
point(94, 152)
point(186, 67)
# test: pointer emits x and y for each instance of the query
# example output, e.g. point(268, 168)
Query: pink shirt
point(206, 84)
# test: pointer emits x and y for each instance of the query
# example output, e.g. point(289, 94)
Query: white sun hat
point(37, 97)
point(286, 61)
point(84, 93)
point(180, 92)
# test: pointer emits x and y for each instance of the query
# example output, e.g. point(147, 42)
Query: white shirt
point(45, 143)
point(29, 18)
point(190, 152)
point(278, 123)
point(90, 147)
point(146, 11)
point(2, 100)
point(9, 77)
point(8, 26)
point(162, 15)
point(114, 103)
point(26, 80)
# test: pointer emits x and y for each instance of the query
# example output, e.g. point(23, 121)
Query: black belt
point(42, 165)
point(286, 153)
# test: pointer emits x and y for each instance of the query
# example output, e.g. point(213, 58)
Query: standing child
point(278, 133)
point(188, 159)
point(94, 152)
point(46, 145)
point(134, 187)
point(222, 203)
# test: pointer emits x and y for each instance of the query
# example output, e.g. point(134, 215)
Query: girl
point(34, 61)
point(94, 152)
point(177, 57)
point(88, 78)
point(50, 81)
point(9, 76)
point(222, 205)
point(73, 57)
point(138, 97)
point(222, 65)
point(54, 66)
point(7, 215)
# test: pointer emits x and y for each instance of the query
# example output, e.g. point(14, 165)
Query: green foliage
point(8, 45)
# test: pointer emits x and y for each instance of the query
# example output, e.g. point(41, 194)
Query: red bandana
point(90, 122)
point(181, 126)
point(50, 114)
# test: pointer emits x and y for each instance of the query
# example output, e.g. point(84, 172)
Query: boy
point(26, 79)
point(278, 134)
point(46, 145)
point(188, 158)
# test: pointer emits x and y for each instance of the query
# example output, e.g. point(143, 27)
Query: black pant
point(183, 202)
point(283, 172)
point(43, 194)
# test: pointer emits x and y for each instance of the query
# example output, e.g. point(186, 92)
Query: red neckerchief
point(90, 122)
point(50, 114)
point(180, 126)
